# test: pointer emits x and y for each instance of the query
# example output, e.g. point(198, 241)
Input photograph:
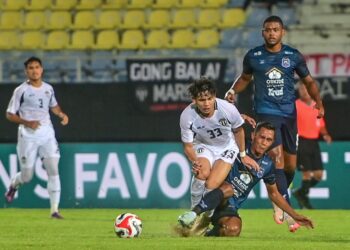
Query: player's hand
point(320, 110)
point(230, 96)
point(32, 124)
point(327, 138)
point(303, 221)
point(249, 120)
point(250, 163)
point(196, 167)
point(64, 118)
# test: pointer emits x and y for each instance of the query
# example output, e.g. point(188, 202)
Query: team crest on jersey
point(260, 173)
point(47, 92)
point(224, 122)
point(285, 62)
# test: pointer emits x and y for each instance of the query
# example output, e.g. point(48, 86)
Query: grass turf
point(93, 229)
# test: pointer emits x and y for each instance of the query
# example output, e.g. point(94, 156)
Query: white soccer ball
point(128, 225)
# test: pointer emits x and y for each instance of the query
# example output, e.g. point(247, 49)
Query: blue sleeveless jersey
point(273, 78)
point(243, 180)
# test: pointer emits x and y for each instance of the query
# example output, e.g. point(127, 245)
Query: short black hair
point(200, 86)
point(275, 19)
point(32, 59)
point(264, 124)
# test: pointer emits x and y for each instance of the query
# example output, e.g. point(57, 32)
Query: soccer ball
point(128, 225)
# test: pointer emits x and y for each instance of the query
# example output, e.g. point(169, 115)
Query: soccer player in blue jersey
point(228, 198)
point(271, 68)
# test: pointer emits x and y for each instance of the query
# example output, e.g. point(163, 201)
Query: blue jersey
point(273, 78)
point(243, 180)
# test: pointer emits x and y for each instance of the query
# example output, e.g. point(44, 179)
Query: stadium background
point(120, 70)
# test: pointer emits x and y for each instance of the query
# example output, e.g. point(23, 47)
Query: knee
point(27, 177)
point(318, 176)
point(202, 175)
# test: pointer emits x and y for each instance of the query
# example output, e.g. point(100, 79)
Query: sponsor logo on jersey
point(275, 75)
point(275, 82)
point(261, 61)
point(285, 62)
point(241, 186)
point(245, 178)
point(258, 53)
point(288, 52)
point(224, 122)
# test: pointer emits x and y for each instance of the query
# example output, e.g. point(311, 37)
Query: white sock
point(197, 190)
point(54, 188)
point(17, 180)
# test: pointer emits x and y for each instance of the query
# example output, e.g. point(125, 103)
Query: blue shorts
point(286, 131)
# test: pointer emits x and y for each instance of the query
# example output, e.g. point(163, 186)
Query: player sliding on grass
point(212, 136)
point(228, 198)
point(271, 68)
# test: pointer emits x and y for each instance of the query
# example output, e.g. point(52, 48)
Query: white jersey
point(216, 131)
point(33, 104)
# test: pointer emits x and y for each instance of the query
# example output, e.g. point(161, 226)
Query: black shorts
point(286, 131)
point(309, 155)
point(224, 210)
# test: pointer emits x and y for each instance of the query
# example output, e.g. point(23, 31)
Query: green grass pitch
point(93, 229)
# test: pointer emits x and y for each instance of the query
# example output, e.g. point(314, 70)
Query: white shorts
point(228, 154)
point(28, 150)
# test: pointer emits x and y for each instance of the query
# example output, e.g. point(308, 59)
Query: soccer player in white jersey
point(212, 135)
point(29, 107)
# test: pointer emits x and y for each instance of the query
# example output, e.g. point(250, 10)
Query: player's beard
point(270, 43)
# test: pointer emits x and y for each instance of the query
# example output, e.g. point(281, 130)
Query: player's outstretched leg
point(10, 194)
point(201, 224)
point(292, 225)
point(187, 219)
point(278, 214)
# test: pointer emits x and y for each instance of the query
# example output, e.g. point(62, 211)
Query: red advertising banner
point(324, 65)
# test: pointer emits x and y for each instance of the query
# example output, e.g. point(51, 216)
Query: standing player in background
point(228, 198)
point(271, 68)
point(309, 154)
point(212, 135)
point(29, 107)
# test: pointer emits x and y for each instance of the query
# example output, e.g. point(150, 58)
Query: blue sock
point(214, 232)
point(210, 201)
point(313, 182)
point(281, 182)
point(289, 177)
